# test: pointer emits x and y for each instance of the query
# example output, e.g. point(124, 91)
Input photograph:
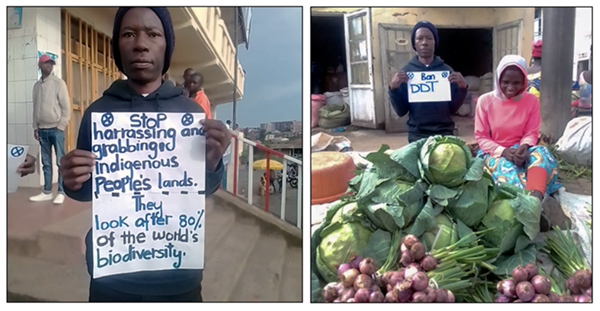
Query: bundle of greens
point(564, 252)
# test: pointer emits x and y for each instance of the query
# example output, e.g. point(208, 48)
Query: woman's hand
point(521, 155)
point(509, 154)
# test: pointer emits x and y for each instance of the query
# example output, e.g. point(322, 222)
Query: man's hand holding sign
point(432, 86)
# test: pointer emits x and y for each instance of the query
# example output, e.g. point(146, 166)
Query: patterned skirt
point(503, 170)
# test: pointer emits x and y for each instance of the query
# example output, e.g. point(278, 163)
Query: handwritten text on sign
point(430, 86)
point(148, 192)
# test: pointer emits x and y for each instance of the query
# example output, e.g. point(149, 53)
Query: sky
point(273, 65)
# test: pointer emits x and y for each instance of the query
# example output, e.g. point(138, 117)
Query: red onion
point(363, 281)
point(410, 272)
point(441, 295)
point(406, 258)
point(343, 268)
point(403, 248)
point(532, 270)
point(525, 291)
point(420, 281)
point(588, 292)
point(541, 284)
point(347, 294)
point(507, 288)
point(367, 266)
point(387, 278)
point(389, 297)
point(428, 263)
point(409, 240)
point(337, 300)
point(351, 300)
point(519, 274)
point(583, 298)
point(362, 295)
point(583, 279)
point(403, 291)
point(330, 292)
point(554, 297)
point(355, 262)
point(430, 292)
point(376, 297)
point(572, 287)
point(416, 265)
point(419, 297)
point(566, 298)
point(349, 277)
point(450, 297)
point(417, 251)
point(540, 298)
point(389, 288)
point(397, 277)
point(517, 301)
point(502, 299)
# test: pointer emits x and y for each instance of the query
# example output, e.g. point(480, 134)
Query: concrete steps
point(249, 256)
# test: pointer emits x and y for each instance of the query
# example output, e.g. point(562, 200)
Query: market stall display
point(430, 209)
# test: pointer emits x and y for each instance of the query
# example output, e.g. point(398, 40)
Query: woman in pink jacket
point(507, 124)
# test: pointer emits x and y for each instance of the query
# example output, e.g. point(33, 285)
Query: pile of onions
point(359, 282)
point(579, 286)
point(527, 285)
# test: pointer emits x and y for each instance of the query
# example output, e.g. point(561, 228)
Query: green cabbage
point(500, 218)
point(445, 160)
point(448, 236)
point(471, 205)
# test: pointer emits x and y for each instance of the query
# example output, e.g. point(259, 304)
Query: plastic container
point(329, 176)
point(317, 101)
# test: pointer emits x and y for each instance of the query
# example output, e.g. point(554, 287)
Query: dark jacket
point(427, 119)
point(122, 98)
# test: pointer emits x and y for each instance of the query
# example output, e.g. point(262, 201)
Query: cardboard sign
point(430, 86)
point(16, 156)
point(148, 192)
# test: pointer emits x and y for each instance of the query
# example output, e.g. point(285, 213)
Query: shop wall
point(39, 33)
point(448, 17)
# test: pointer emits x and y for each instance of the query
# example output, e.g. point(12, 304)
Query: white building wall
point(40, 31)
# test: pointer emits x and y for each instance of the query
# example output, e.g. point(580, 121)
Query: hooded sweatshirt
point(122, 98)
point(502, 122)
point(430, 118)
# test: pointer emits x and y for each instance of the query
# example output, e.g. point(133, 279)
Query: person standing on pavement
point(196, 92)
point(430, 118)
point(143, 43)
point(51, 115)
point(187, 74)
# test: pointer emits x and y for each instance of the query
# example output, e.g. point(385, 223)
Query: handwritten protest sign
point(430, 86)
point(16, 156)
point(148, 192)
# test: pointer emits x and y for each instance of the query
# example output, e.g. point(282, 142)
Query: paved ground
point(250, 255)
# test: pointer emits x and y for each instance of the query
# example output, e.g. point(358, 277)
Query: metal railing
point(291, 174)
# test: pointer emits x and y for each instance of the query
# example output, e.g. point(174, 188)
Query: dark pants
point(100, 293)
point(49, 138)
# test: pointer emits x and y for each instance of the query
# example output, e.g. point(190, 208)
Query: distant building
point(268, 127)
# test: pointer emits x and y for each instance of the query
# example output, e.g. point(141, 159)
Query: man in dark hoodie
point(431, 118)
point(143, 42)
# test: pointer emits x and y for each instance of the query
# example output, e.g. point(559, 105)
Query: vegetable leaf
point(384, 216)
point(464, 231)
point(522, 243)
point(472, 204)
point(529, 211)
point(408, 157)
point(510, 237)
point(441, 194)
point(385, 167)
point(316, 289)
point(475, 171)
point(379, 246)
point(425, 221)
point(367, 186)
point(505, 264)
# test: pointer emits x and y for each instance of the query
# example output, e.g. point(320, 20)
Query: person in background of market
point(144, 40)
point(584, 92)
point(196, 92)
point(507, 124)
point(187, 74)
point(432, 118)
point(228, 124)
point(51, 115)
point(534, 72)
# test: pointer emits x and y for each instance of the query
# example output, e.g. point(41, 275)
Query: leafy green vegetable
point(408, 157)
point(441, 194)
point(505, 264)
point(388, 217)
point(385, 167)
point(445, 160)
point(316, 289)
point(425, 221)
point(446, 237)
point(471, 205)
point(529, 211)
point(379, 246)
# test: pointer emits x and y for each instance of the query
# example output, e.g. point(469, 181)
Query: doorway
point(328, 53)
point(468, 51)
